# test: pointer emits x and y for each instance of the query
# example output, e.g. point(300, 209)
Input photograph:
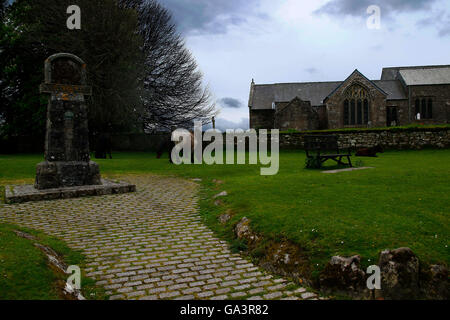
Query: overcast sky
point(303, 40)
point(276, 41)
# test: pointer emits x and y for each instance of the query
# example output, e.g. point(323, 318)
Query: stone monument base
point(63, 174)
point(26, 193)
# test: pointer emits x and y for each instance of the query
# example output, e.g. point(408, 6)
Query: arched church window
point(359, 112)
point(346, 113)
point(430, 109)
point(417, 108)
point(424, 109)
point(352, 112)
point(366, 111)
point(356, 106)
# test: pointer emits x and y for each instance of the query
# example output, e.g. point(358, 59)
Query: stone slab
point(27, 193)
point(347, 170)
point(67, 174)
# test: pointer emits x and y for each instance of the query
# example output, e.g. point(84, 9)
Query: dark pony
point(103, 146)
point(167, 146)
point(369, 152)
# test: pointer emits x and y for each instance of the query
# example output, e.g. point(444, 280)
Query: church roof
point(393, 88)
point(419, 75)
point(265, 94)
point(356, 72)
point(414, 77)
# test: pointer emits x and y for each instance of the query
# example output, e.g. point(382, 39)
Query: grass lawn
point(404, 201)
point(24, 270)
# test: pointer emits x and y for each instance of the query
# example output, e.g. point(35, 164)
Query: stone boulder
point(343, 275)
point(222, 194)
point(434, 283)
point(224, 218)
point(243, 231)
point(399, 274)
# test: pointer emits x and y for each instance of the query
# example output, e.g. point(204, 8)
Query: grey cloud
point(230, 103)
point(359, 7)
point(426, 22)
point(210, 16)
point(441, 20)
point(312, 70)
point(377, 47)
point(445, 31)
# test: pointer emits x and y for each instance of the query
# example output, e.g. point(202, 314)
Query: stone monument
point(67, 159)
point(67, 171)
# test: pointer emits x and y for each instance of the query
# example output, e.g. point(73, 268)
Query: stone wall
point(22, 144)
point(138, 142)
point(441, 101)
point(262, 119)
point(297, 115)
point(388, 139)
point(323, 116)
point(402, 111)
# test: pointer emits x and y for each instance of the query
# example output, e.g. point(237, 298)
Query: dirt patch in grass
point(26, 273)
point(2, 194)
point(281, 257)
point(56, 264)
point(284, 258)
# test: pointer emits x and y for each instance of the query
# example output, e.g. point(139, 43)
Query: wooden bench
point(320, 149)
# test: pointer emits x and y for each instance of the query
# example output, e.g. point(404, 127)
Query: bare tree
point(141, 72)
point(173, 93)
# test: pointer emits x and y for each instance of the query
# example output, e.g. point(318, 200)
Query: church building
point(404, 95)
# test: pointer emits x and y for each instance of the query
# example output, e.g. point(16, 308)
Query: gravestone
point(67, 159)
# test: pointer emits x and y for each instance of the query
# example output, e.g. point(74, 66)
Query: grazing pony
point(369, 152)
point(103, 146)
point(167, 146)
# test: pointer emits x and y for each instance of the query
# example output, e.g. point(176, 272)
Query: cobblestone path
point(151, 244)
